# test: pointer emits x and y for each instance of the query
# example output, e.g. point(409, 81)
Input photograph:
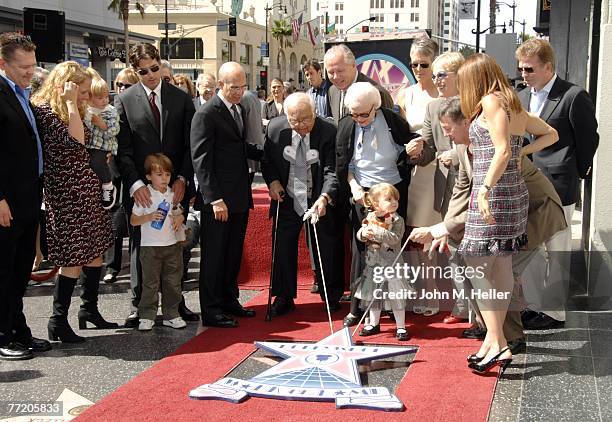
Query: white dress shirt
point(538, 98)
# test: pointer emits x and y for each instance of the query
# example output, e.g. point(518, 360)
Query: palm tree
point(122, 7)
point(281, 32)
point(492, 10)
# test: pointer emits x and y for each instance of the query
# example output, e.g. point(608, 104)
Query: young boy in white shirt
point(160, 253)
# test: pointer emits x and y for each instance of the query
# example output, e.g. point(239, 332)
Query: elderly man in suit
point(569, 109)
point(220, 153)
point(155, 116)
point(21, 167)
point(300, 159)
point(370, 149)
point(342, 72)
point(544, 220)
point(206, 85)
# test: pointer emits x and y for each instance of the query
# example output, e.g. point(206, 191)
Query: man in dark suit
point(342, 73)
point(21, 168)
point(220, 153)
point(155, 116)
point(310, 182)
point(569, 109)
point(206, 84)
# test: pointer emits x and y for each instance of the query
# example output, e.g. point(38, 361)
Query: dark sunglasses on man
point(421, 65)
point(122, 85)
point(525, 69)
point(145, 71)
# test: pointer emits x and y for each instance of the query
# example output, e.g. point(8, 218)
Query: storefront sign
point(111, 53)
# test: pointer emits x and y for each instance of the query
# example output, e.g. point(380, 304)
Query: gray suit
point(334, 95)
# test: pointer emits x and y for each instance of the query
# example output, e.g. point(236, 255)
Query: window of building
point(226, 51)
point(397, 17)
point(317, 6)
point(446, 13)
point(185, 48)
point(413, 3)
point(339, 6)
point(245, 54)
point(371, 4)
point(446, 22)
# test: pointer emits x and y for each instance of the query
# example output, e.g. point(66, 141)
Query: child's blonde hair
point(380, 189)
point(99, 87)
point(156, 162)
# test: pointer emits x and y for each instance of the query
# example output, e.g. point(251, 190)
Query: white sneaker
point(108, 197)
point(177, 322)
point(146, 324)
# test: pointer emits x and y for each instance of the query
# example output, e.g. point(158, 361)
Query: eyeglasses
point(122, 85)
point(421, 65)
point(440, 75)
point(303, 122)
point(362, 115)
point(525, 69)
point(145, 71)
point(238, 88)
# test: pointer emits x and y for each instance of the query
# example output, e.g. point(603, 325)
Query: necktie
point(300, 184)
point(154, 108)
point(343, 111)
point(361, 136)
point(237, 119)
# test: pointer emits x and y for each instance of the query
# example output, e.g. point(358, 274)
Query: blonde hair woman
point(497, 214)
point(78, 228)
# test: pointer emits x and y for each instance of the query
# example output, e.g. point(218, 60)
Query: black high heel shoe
point(60, 330)
point(481, 368)
point(96, 319)
point(474, 358)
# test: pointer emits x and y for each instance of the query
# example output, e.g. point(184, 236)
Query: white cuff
point(439, 230)
point(137, 185)
point(216, 202)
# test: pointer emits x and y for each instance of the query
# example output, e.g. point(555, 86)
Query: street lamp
point(283, 9)
point(523, 23)
point(512, 6)
point(370, 19)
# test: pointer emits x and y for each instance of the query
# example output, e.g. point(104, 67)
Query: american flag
point(296, 24)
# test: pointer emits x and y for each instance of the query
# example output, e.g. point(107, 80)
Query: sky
point(525, 9)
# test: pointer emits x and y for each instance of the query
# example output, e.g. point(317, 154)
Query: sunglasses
point(145, 71)
point(440, 75)
point(421, 65)
point(122, 85)
point(362, 115)
point(525, 69)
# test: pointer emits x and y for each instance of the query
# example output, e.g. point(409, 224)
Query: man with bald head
point(220, 151)
point(299, 169)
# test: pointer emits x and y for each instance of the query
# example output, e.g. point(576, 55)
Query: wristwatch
point(487, 187)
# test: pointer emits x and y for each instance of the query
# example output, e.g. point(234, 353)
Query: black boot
point(89, 307)
point(58, 327)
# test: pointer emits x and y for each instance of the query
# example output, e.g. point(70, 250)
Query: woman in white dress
point(413, 102)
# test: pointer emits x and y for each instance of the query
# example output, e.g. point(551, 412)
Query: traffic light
point(231, 23)
point(263, 77)
point(365, 28)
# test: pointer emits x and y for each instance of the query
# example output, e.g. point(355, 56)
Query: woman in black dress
point(78, 228)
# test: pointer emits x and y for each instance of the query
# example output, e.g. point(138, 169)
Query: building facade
point(201, 41)
point(450, 26)
point(93, 34)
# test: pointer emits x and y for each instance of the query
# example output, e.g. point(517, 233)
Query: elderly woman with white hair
point(370, 149)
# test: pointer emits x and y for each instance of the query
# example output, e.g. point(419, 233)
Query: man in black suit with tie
point(299, 158)
point(569, 109)
point(21, 167)
point(155, 116)
point(220, 153)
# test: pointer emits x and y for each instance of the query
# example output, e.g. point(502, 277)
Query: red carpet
point(437, 387)
point(257, 256)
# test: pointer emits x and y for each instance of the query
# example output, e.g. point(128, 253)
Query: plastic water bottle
point(163, 207)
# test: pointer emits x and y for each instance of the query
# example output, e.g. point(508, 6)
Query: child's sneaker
point(146, 324)
point(109, 194)
point(177, 322)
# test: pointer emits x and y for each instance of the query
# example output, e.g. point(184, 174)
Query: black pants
point(17, 251)
point(114, 254)
point(222, 245)
point(288, 231)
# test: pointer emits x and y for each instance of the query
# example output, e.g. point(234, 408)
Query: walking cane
point(269, 311)
point(308, 218)
point(372, 302)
